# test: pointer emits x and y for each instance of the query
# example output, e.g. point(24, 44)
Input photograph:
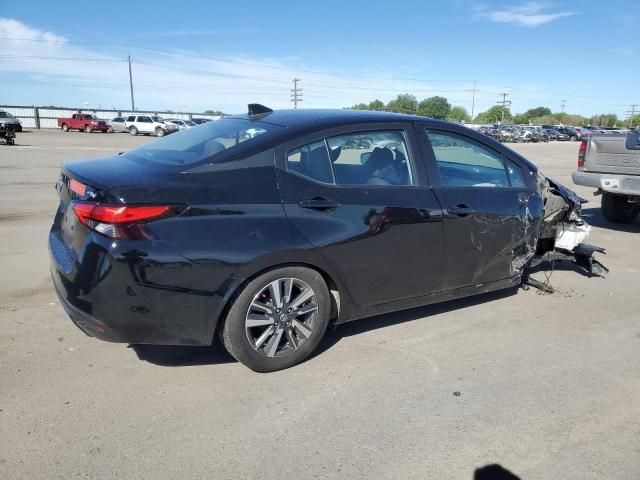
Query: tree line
point(439, 107)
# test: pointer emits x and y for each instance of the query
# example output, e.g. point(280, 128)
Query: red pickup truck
point(83, 121)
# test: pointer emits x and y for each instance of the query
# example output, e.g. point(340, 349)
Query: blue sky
point(196, 55)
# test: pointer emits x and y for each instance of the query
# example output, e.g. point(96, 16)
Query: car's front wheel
point(159, 132)
point(278, 319)
point(87, 129)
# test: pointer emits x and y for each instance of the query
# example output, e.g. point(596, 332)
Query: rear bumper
point(608, 182)
point(116, 295)
point(85, 322)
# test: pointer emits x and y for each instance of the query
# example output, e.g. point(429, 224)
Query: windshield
point(158, 119)
point(88, 117)
point(191, 124)
point(194, 145)
point(5, 115)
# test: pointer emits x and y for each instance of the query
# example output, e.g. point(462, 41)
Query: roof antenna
point(257, 109)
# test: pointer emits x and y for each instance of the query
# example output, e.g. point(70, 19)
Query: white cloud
point(530, 14)
point(13, 29)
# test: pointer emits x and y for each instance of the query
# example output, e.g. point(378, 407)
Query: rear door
point(485, 197)
point(359, 195)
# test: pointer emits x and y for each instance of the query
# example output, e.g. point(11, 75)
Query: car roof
point(302, 117)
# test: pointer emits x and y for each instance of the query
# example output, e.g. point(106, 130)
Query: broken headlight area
point(562, 233)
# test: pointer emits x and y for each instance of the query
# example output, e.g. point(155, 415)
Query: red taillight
point(582, 152)
point(119, 221)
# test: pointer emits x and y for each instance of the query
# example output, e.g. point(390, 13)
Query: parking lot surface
point(547, 386)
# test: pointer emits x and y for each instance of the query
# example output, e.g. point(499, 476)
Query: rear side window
point(311, 161)
point(463, 162)
point(370, 158)
point(131, 119)
point(196, 145)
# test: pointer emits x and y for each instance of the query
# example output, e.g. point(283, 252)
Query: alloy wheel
point(281, 317)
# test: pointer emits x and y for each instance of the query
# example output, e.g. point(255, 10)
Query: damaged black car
point(263, 228)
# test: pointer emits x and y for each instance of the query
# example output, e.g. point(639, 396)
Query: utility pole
point(473, 99)
point(505, 103)
point(563, 103)
point(296, 93)
point(133, 105)
point(632, 114)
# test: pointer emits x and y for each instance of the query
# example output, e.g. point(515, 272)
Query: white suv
point(148, 125)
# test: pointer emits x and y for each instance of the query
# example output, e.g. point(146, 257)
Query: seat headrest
point(380, 158)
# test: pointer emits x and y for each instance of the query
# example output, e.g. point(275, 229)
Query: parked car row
point(543, 133)
point(133, 124)
point(148, 124)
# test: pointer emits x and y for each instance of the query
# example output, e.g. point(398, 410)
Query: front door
point(358, 197)
point(485, 197)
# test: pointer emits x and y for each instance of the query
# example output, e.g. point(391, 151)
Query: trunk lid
point(92, 181)
point(116, 171)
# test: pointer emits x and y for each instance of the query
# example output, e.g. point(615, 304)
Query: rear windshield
point(202, 142)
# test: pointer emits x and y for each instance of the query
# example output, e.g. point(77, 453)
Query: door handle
point(460, 210)
point(319, 203)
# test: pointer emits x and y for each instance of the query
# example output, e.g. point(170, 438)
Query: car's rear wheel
point(133, 131)
point(159, 132)
point(65, 127)
point(617, 209)
point(278, 319)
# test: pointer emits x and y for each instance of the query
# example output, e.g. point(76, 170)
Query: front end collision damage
point(560, 235)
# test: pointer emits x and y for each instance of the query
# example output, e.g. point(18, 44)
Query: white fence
point(46, 117)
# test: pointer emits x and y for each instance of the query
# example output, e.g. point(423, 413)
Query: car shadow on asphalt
point(593, 216)
point(335, 334)
point(184, 356)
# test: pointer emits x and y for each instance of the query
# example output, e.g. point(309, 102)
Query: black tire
point(65, 127)
point(133, 131)
point(87, 129)
point(159, 132)
point(617, 209)
point(235, 338)
point(110, 130)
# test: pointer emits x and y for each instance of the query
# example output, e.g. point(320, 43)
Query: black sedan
point(265, 227)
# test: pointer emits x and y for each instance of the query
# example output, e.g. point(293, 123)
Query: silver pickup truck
point(611, 164)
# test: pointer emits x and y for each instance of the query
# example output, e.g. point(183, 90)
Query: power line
point(293, 69)
point(74, 59)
